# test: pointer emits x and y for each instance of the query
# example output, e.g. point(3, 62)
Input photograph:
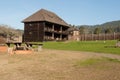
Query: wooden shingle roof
point(45, 15)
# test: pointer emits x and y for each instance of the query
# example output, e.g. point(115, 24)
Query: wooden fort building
point(44, 26)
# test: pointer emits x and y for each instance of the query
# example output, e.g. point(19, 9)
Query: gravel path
point(114, 56)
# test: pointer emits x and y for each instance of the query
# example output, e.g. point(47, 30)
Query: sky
point(75, 12)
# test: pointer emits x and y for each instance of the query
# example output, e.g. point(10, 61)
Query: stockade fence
point(92, 37)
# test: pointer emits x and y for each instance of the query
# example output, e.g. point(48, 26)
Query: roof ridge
point(45, 15)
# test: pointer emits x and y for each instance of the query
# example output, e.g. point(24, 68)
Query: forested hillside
point(108, 27)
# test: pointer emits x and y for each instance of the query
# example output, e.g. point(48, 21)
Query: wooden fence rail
point(92, 37)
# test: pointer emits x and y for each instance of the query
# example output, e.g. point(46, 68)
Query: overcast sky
point(77, 12)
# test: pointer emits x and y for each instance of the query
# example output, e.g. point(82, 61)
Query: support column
point(61, 29)
point(60, 36)
point(53, 31)
point(38, 31)
point(61, 33)
point(43, 31)
point(53, 27)
point(53, 36)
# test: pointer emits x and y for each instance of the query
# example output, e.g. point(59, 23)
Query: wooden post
point(44, 31)
point(39, 48)
point(38, 31)
point(61, 33)
point(85, 37)
point(104, 36)
point(53, 36)
point(60, 36)
point(53, 28)
point(10, 49)
point(61, 29)
point(98, 36)
point(114, 35)
point(92, 36)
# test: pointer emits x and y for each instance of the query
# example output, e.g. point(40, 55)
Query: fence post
point(98, 36)
point(85, 37)
point(92, 36)
point(114, 35)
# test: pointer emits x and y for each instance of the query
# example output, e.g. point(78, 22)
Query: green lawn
point(91, 46)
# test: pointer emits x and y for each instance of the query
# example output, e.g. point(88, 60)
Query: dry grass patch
point(57, 65)
point(95, 61)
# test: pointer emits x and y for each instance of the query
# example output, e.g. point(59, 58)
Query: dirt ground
point(57, 65)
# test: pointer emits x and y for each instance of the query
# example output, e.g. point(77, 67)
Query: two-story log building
point(44, 26)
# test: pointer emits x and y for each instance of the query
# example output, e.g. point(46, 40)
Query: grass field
point(59, 65)
point(90, 46)
point(70, 62)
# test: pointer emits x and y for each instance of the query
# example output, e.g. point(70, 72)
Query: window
point(30, 24)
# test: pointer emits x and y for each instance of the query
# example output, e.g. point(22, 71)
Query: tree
point(7, 31)
point(97, 30)
point(108, 30)
point(82, 30)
